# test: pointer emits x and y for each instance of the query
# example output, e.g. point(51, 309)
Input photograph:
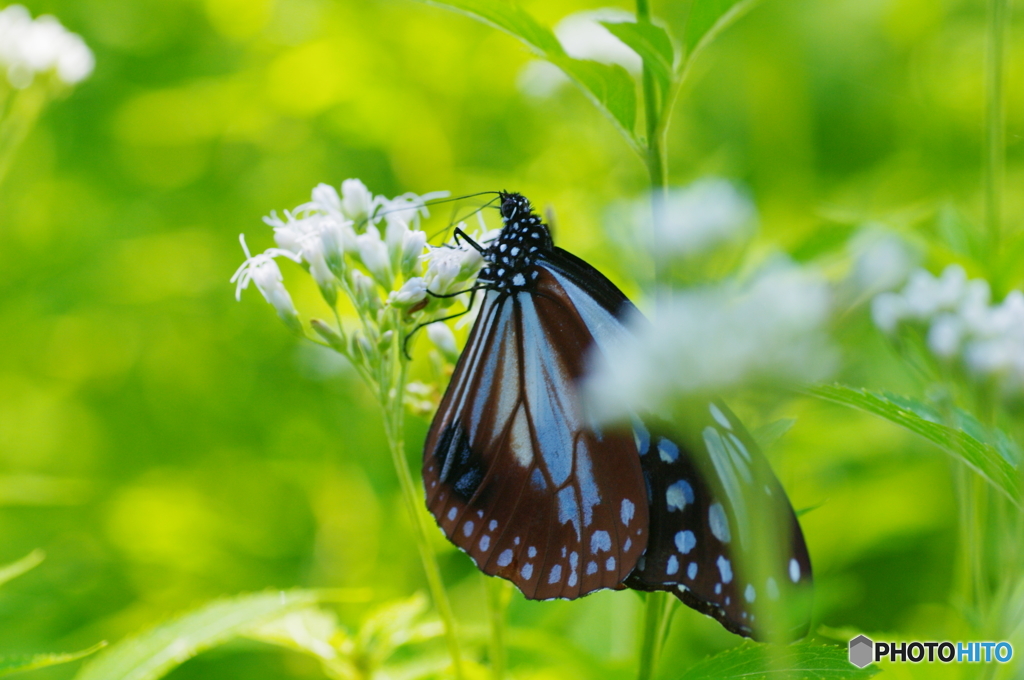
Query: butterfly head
point(511, 258)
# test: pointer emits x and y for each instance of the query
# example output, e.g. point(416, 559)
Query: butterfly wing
point(724, 538)
point(514, 473)
point(704, 506)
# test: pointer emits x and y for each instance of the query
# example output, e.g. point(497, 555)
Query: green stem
point(394, 421)
point(656, 610)
point(499, 594)
point(995, 123)
point(15, 123)
point(655, 624)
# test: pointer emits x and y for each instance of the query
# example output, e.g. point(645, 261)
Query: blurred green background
point(166, 445)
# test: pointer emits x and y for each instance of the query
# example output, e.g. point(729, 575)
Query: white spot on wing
point(668, 451)
point(505, 558)
point(556, 574)
point(520, 442)
point(719, 523)
point(627, 511)
point(531, 552)
point(527, 571)
point(725, 568)
point(485, 542)
point(678, 495)
point(591, 568)
point(673, 565)
point(451, 513)
point(685, 541)
point(794, 570)
point(493, 525)
point(717, 414)
point(467, 528)
point(750, 593)
point(610, 564)
point(691, 571)
point(600, 541)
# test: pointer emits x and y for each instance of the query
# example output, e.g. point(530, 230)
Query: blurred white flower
point(712, 339)
point(413, 245)
point(582, 37)
point(881, 260)
point(326, 199)
point(444, 339)
point(698, 217)
point(29, 47)
point(262, 270)
point(960, 323)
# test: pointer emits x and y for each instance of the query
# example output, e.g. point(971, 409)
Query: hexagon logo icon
point(861, 648)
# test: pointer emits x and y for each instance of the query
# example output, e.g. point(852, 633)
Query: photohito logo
point(864, 650)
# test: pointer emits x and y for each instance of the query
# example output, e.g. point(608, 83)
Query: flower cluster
point(371, 250)
point(699, 217)
point(712, 339)
point(29, 47)
point(960, 323)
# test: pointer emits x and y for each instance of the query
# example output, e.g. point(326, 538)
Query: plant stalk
point(498, 596)
point(656, 610)
point(394, 423)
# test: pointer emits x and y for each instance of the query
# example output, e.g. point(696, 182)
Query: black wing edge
point(596, 284)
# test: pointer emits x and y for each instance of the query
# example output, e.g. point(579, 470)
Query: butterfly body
point(520, 477)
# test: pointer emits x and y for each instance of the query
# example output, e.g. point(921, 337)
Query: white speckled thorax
point(511, 258)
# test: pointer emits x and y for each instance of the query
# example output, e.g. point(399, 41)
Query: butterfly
point(521, 478)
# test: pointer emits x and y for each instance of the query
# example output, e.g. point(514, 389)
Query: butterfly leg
point(472, 297)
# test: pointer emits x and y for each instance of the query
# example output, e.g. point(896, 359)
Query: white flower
point(357, 202)
point(447, 266)
point(413, 244)
point(29, 47)
point(326, 199)
point(444, 339)
point(946, 335)
point(374, 254)
point(583, 37)
point(881, 260)
point(712, 339)
point(887, 310)
point(696, 218)
point(412, 292)
point(926, 295)
point(262, 270)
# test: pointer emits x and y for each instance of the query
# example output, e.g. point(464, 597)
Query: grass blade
point(17, 663)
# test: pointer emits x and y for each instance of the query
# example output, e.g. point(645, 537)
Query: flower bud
point(413, 244)
point(365, 292)
point(356, 202)
point(326, 199)
point(374, 255)
point(330, 336)
point(412, 292)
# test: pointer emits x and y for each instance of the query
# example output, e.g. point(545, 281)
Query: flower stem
point(656, 608)
point(394, 422)
point(995, 124)
point(499, 594)
point(17, 121)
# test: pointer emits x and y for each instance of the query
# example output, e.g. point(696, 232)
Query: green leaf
point(28, 662)
point(654, 46)
point(26, 563)
point(804, 660)
point(708, 18)
point(154, 653)
point(966, 439)
point(609, 87)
